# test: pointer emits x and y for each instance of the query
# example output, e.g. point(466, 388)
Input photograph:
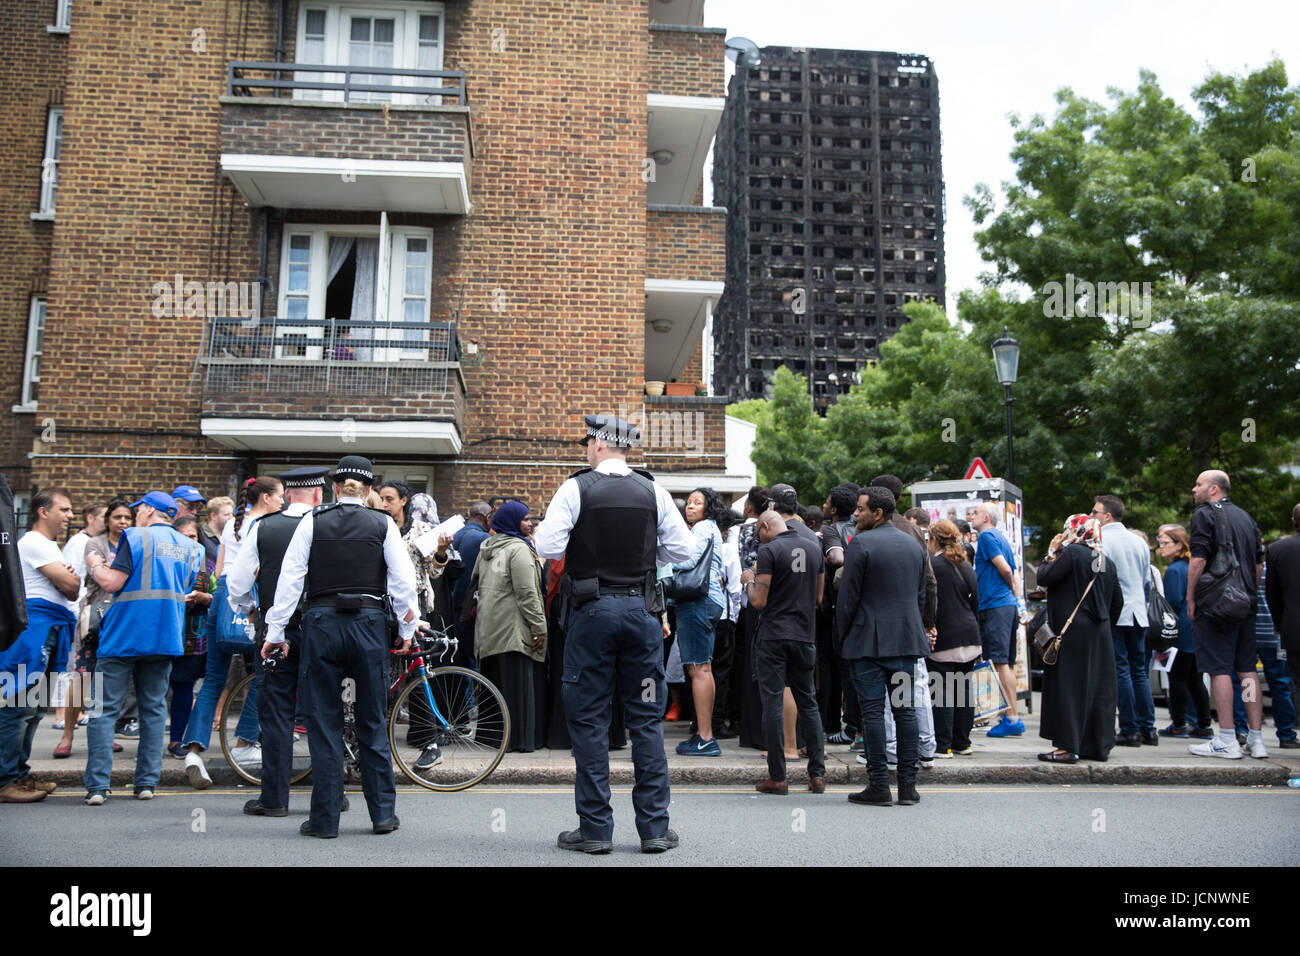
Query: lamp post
point(1006, 359)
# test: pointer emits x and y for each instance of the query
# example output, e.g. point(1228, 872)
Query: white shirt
point(293, 572)
point(74, 553)
point(232, 546)
point(675, 541)
point(36, 551)
point(731, 572)
point(242, 573)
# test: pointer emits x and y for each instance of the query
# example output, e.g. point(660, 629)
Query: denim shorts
point(695, 629)
point(998, 633)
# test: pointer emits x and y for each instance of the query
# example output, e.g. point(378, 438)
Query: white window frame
point(406, 36)
point(62, 18)
point(392, 261)
point(50, 163)
point(36, 315)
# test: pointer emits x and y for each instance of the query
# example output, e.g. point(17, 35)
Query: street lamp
point(1006, 359)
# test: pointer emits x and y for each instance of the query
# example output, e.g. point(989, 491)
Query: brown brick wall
point(558, 227)
point(35, 63)
point(686, 63)
point(685, 245)
point(678, 429)
point(354, 131)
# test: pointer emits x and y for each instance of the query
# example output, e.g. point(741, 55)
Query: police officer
point(346, 557)
point(258, 565)
point(613, 525)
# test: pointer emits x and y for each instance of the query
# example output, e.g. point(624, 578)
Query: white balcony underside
point(685, 303)
point(685, 126)
point(306, 182)
point(336, 436)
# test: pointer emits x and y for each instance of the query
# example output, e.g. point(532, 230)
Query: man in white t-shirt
point(74, 556)
point(52, 589)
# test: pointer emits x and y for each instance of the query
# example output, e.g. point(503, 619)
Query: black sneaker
point(128, 728)
point(431, 757)
point(1150, 737)
point(873, 796)
point(840, 738)
point(668, 841)
point(574, 840)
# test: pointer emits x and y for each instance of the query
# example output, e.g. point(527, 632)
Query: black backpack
point(1223, 594)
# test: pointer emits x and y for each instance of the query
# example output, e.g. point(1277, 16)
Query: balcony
point(327, 385)
point(347, 137)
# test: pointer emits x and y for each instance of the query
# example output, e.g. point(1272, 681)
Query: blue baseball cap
point(188, 493)
point(160, 500)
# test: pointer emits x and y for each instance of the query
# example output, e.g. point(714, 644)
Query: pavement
point(1008, 760)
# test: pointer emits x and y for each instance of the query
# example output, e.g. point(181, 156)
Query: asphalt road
point(968, 826)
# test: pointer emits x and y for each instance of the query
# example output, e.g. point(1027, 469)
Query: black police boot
point(574, 840)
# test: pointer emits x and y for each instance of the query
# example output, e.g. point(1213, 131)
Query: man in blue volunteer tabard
point(155, 568)
point(613, 525)
point(41, 651)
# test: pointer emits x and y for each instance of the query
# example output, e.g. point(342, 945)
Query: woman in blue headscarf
point(510, 626)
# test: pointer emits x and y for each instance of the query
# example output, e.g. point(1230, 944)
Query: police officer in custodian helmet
point(613, 525)
point(346, 556)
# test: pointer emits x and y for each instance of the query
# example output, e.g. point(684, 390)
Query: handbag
point(1222, 593)
point(234, 632)
point(1162, 626)
point(987, 694)
point(1048, 641)
point(691, 584)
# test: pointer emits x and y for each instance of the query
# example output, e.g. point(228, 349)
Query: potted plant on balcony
point(654, 388)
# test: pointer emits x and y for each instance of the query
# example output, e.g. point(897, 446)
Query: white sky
point(996, 57)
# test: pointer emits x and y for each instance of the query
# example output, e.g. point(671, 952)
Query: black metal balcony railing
point(423, 85)
point(329, 355)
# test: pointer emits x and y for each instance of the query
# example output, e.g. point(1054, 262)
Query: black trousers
point(724, 655)
point(782, 664)
point(277, 701)
point(613, 660)
point(338, 645)
point(829, 689)
point(954, 704)
point(1184, 682)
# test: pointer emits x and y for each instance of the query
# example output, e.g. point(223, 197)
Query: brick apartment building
point(829, 161)
point(471, 223)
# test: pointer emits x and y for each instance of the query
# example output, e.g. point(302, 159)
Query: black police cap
point(610, 429)
point(354, 466)
point(309, 477)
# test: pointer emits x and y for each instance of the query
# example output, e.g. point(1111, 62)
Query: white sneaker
point(943, 755)
point(1257, 749)
point(96, 798)
point(197, 773)
point(1216, 748)
point(247, 755)
point(145, 794)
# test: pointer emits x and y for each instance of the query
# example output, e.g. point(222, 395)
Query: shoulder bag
point(1222, 594)
point(1162, 629)
point(691, 584)
point(1048, 641)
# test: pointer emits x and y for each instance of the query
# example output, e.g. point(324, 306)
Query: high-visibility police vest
point(147, 616)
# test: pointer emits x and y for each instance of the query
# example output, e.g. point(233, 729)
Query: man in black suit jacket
point(879, 625)
point(1282, 591)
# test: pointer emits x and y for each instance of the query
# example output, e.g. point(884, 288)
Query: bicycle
point(456, 724)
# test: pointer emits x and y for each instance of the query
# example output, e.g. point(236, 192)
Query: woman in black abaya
point(1079, 690)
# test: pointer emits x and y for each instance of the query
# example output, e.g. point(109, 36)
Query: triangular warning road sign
point(977, 469)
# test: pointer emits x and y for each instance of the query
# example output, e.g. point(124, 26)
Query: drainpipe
point(279, 42)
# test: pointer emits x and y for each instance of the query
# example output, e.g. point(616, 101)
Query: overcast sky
point(994, 58)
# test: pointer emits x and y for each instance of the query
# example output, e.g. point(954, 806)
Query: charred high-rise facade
point(828, 162)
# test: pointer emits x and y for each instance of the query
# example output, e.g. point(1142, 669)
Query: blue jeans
point(876, 679)
point(151, 676)
point(1279, 689)
point(18, 726)
point(199, 729)
point(1137, 711)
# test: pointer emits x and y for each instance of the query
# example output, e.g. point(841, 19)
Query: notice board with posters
point(953, 500)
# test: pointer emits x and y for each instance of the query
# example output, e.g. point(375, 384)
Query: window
point(62, 17)
point(32, 364)
point(355, 274)
point(50, 165)
point(368, 34)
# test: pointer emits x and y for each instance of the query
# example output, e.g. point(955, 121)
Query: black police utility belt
point(613, 523)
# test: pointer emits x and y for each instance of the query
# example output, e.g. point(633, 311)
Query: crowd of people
point(793, 627)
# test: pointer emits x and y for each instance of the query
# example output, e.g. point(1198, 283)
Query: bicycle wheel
point(239, 721)
point(455, 731)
